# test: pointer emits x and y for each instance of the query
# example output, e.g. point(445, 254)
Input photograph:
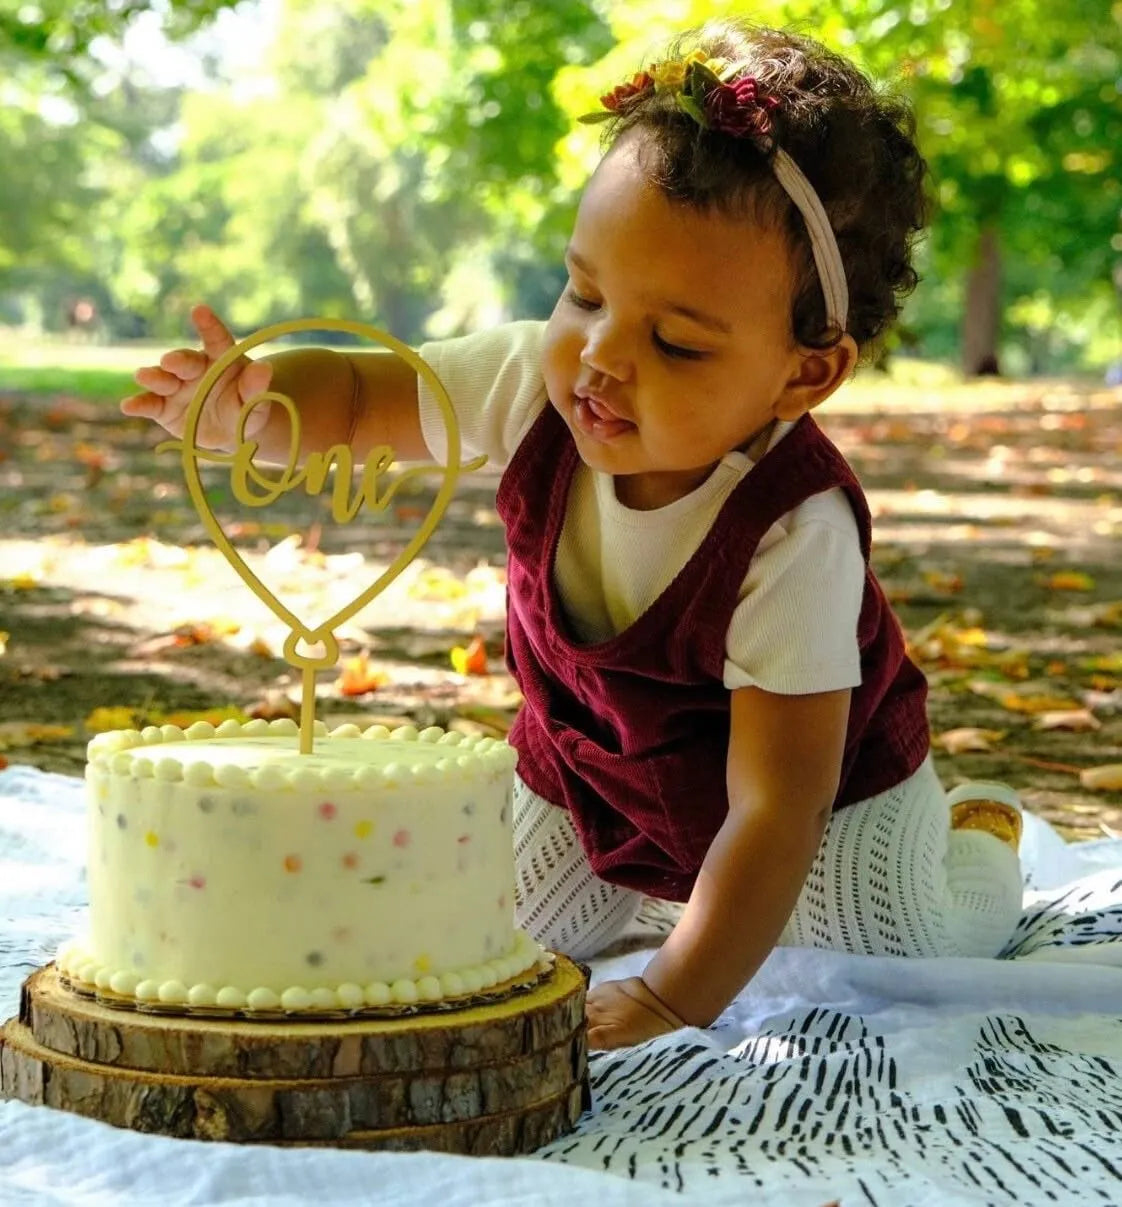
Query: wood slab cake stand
point(497, 1079)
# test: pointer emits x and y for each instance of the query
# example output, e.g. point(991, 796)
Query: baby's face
point(671, 344)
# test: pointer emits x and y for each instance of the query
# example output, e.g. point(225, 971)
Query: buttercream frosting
point(228, 871)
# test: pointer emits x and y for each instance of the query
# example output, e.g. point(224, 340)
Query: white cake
point(228, 870)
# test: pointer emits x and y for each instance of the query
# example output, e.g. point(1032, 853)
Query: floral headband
point(719, 95)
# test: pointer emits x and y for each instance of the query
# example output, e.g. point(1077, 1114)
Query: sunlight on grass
point(103, 372)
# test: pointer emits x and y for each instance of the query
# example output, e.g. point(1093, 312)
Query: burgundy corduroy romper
point(631, 734)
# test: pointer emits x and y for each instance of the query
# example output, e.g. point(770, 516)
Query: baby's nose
point(605, 353)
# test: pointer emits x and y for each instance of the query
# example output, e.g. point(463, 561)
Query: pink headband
point(712, 93)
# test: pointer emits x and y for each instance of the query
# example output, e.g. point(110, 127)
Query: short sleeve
point(494, 380)
point(795, 629)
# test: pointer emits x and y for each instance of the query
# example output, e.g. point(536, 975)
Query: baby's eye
point(581, 303)
point(676, 350)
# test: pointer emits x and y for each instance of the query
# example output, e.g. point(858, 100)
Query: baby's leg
point(892, 877)
point(559, 899)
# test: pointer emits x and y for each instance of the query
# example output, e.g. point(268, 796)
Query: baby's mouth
point(593, 417)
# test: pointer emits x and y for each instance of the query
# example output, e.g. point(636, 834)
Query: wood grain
point(503, 1078)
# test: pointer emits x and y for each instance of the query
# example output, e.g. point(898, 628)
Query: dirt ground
point(998, 529)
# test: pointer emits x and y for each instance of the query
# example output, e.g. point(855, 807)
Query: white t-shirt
point(794, 630)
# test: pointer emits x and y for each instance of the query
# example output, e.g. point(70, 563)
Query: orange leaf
point(470, 661)
point(1068, 580)
point(1109, 616)
point(204, 632)
point(274, 705)
point(357, 677)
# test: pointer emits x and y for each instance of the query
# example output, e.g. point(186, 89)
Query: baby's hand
point(170, 386)
point(621, 1013)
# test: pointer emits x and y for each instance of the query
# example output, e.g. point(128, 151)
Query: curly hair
point(854, 142)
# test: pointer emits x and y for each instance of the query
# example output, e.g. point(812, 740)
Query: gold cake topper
point(255, 487)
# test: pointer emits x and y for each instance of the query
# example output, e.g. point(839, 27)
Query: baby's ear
point(820, 371)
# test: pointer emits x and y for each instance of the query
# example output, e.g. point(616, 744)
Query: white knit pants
point(891, 878)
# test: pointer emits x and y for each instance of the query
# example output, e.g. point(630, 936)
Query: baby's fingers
point(144, 406)
point(157, 380)
point(186, 363)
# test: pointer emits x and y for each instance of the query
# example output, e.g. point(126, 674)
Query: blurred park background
point(415, 163)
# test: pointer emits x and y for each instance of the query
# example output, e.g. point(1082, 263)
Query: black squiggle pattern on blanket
point(820, 1099)
point(1084, 916)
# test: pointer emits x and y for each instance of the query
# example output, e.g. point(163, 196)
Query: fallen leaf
point(3, 762)
point(948, 584)
point(1077, 720)
point(1068, 580)
point(1109, 616)
point(204, 632)
point(968, 739)
point(1107, 778)
point(102, 720)
point(470, 661)
point(357, 678)
point(437, 585)
point(1036, 704)
point(274, 706)
point(28, 733)
point(4, 642)
point(213, 716)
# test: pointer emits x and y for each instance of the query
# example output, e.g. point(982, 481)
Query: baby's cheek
point(560, 358)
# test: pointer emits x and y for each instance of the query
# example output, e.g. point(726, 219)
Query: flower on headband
point(670, 75)
point(706, 89)
point(639, 83)
point(738, 109)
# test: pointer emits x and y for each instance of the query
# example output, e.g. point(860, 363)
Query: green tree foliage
point(57, 34)
point(417, 162)
point(1021, 121)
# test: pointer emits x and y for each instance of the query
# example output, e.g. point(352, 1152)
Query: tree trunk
point(982, 316)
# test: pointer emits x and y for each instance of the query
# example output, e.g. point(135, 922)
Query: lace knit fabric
point(891, 878)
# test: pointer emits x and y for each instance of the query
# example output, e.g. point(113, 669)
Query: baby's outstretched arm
point(357, 398)
point(784, 762)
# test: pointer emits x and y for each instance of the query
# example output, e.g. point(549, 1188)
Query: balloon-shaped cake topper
point(313, 647)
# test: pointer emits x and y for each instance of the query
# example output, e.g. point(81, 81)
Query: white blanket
point(849, 1078)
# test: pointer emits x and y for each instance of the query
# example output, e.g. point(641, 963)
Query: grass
point(103, 373)
point(91, 371)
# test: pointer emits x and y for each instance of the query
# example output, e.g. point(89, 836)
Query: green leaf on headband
point(702, 78)
point(688, 105)
point(591, 119)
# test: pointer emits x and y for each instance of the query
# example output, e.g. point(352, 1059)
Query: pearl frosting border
point(75, 963)
point(120, 752)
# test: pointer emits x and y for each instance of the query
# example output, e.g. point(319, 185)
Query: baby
point(718, 708)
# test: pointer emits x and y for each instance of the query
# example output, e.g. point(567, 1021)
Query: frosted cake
point(226, 870)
